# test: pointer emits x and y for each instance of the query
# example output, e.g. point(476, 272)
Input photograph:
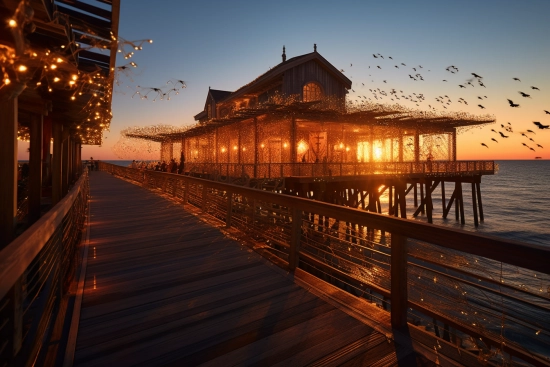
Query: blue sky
point(226, 44)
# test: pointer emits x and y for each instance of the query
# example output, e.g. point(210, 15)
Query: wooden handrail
point(525, 255)
point(19, 254)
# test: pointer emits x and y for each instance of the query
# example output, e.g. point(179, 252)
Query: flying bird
point(477, 76)
point(531, 131)
point(534, 88)
point(501, 134)
point(547, 112)
point(485, 145)
point(540, 146)
point(375, 56)
point(524, 94)
point(517, 79)
point(481, 106)
point(493, 139)
point(512, 104)
point(541, 126)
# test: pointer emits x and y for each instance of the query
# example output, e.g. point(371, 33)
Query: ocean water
point(516, 202)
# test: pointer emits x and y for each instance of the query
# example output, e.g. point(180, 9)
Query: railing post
point(186, 192)
point(229, 209)
point(398, 295)
point(296, 234)
point(204, 197)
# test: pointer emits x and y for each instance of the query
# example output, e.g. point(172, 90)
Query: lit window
point(312, 92)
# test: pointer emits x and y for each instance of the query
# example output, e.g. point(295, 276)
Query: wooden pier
point(164, 288)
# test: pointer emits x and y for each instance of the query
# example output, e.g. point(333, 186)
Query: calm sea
point(516, 202)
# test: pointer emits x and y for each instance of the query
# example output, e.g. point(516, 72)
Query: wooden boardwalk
point(164, 288)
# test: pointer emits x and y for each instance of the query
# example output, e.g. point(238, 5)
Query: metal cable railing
point(36, 270)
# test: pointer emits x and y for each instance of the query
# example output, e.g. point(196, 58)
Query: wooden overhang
point(378, 116)
point(69, 28)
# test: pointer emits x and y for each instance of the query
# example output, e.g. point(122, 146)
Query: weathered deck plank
point(164, 288)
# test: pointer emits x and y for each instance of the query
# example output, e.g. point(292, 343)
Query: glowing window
point(312, 92)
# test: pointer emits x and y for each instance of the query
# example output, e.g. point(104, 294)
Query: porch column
point(57, 132)
point(452, 144)
point(256, 146)
point(46, 140)
point(8, 168)
point(371, 144)
point(400, 146)
point(35, 167)
point(416, 146)
point(65, 164)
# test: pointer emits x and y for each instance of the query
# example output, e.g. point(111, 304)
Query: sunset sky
point(226, 44)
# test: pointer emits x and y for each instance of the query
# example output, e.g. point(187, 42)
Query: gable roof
point(289, 64)
point(218, 95)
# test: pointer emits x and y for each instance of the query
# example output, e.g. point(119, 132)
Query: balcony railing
point(36, 270)
point(277, 170)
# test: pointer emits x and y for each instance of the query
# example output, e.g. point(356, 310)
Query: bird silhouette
point(493, 139)
point(532, 149)
point(512, 104)
point(461, 86)
point(375, 56)
point(485, 145)
point(541, 126)
point(534, 88)
point(540, 146)
point(501, 134)
point(481, 106)
point(524, 94)
point(531, 131)
point(477, 76)
point(547, 112)
point(517, 79)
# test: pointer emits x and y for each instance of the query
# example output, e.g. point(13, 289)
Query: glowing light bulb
point(59, 59)
point(53, 66)
point(74, 77)
point(22, 68)
point(73, 98)
point(56, 79)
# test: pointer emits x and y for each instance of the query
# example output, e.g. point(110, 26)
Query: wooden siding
point(312, 71)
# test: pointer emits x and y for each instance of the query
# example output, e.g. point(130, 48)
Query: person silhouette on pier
point(429, 161)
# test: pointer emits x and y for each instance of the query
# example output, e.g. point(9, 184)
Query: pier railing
point(276, 170)
point(485, 294)
point(36, 270)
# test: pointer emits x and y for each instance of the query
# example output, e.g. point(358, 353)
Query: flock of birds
point(160, 93)
point(444, 101)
